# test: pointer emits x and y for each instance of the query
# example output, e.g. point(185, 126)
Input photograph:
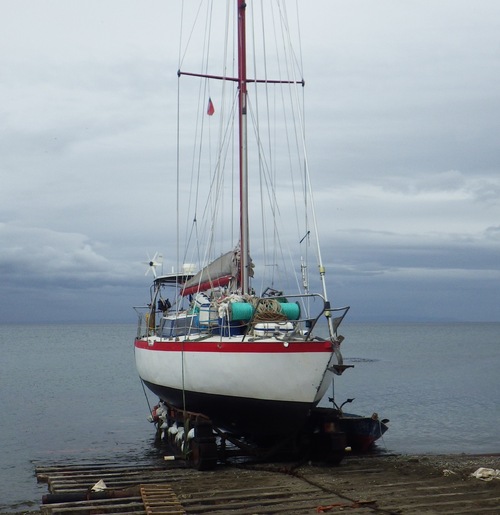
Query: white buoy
point(180, 435)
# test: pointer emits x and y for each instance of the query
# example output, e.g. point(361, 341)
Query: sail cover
point(218, 273)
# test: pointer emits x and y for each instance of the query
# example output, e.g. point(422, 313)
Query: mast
point(243, 148)
point(242, 81)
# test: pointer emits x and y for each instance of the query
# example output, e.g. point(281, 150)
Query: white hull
point(271, 379)
point(248, 360)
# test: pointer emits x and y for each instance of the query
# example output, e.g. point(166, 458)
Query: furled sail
point(217, 273)
point(220, 272)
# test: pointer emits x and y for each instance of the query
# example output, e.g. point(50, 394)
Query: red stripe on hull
point(236, 347)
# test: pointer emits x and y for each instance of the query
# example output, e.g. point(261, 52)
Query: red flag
point(210, 108)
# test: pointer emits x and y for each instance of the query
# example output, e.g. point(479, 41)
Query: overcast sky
point(403, 142)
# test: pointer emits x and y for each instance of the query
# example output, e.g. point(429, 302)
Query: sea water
point(71, 392)
point(437, 383)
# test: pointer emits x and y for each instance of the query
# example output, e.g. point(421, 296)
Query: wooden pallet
point(144, 489)
point(160, 499)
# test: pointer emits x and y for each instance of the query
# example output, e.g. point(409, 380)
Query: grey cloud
point(48, 257)
point(402, 121)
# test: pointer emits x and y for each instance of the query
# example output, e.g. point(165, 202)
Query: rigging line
point(285, 23)
point(285, 93)
point(183, 376)
point(284, 101)
point(216, 182)
point(208, 32)
point(224, 127)
point(268, 185)
point(193, 26)
point(291, 61)
point(194, 229)
point(289, 69)
point(200, 119)
point(215, 192)
point(279, 247)
point(178, 181)
point(300, 58)
point(193, 199)
point(177, 188)
point(308, 186)
point(268, 171)
point(272, 155)
point(234, 186)
point(257, 124)
point(145, 395)
point(181, 32)
point(206, 83)
point(260, 141)
point(178, 227)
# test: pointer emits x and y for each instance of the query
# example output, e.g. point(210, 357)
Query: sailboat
point(214, 339)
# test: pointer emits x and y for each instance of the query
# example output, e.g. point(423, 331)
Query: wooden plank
point(249, 497)
point(457, 502)
point(395, 484)
point(466, 511)
point(302, 504)
point(160, 499)
point(135, 505)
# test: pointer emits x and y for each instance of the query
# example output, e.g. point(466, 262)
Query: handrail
point(326, 309)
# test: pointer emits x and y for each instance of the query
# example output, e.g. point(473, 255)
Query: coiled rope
point(267, 310)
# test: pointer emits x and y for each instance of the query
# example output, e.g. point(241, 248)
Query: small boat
point(252, 355)
point(361, 432)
